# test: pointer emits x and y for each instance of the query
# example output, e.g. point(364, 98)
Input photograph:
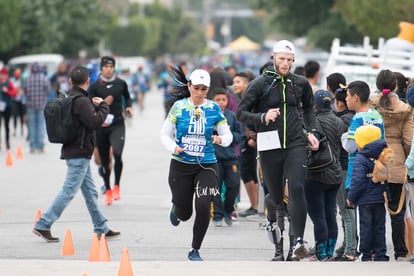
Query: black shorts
point(248, 164)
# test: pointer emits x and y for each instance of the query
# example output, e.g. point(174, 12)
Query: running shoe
point(108, 197)
point(173, 218)
point(249, 212)
point(299, 250)
point(194, 255)
point(116, 192)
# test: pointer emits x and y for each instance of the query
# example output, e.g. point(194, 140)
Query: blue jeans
point(36, 128)
point(78, 177)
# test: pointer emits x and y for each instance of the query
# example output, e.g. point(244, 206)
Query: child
point(357, 100)
point(228, 167)
point(367, 195)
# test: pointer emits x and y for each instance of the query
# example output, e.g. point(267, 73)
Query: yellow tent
point(243, 43)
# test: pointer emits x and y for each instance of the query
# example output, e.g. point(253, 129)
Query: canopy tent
point(243, 43)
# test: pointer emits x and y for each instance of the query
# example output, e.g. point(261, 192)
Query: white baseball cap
point(200, 76)
point(284, 46)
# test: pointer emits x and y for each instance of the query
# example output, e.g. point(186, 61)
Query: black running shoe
point(249, 212)
point(173, 218)
point(112, 235)
point(45, 234)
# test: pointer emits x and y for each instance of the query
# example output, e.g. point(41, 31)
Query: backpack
point(60, 126)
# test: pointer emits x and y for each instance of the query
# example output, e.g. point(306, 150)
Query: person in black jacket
point(87, 115)
point(112, 132)
point(321, 187)
point(280, 105)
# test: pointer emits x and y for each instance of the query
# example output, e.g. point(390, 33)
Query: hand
point(216, 139)
point(251, 143)
point(313, 142)
point(349, 203)
point(178, 150)
point(129, 112)
point(109, 99)
point(96, 101)
point(272, 114)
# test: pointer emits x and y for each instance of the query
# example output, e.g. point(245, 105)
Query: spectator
point(36, 88)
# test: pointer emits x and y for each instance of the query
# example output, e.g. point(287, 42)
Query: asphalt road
point(155, 247)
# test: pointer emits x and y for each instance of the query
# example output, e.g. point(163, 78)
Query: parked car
point(49, 61)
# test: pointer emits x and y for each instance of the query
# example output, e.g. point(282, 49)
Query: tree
point(314, 19)
point(160, 31)
point(9, 24)
point(376, 18)
point(45, 26)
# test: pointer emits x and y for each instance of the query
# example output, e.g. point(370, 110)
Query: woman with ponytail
point(187, 133)
point(399, 126)
point(336, 85)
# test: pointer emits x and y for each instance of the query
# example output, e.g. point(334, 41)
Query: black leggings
point(287, 163)
point(106, 137)
point(187, 181)
point(5, 116)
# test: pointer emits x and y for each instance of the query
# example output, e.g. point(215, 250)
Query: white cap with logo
point(200, 76)
point(285, 47)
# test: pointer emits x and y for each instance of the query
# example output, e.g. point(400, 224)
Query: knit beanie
point(367, 134)
point(107, 60)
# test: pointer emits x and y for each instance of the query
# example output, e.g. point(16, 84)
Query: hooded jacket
point(333, 127)
point(86, 117)
point(292, 94)
point(362, 190)
point(399, 126)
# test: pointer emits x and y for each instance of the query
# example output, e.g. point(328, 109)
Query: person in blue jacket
point(228, 165)
point(369, 196)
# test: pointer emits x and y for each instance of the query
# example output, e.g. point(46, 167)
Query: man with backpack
point(280, 105)
point(87, 115)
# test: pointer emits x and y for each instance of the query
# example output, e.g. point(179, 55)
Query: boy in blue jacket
point(228, 166)
point(369, 196)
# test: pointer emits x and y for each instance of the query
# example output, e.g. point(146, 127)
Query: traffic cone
point(37, 216)
point(9, 160)
point(93, 252)
point(67, 248)
point(84, 274)
point(19, 154)
point(103, 253)
point(125, 268)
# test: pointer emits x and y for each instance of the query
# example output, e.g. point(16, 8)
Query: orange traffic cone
point(93, 252)
point(125, 268)
point(67, 248)
point(103, 253)
point(37, 216)
point(9, 160)
point(19, 154)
